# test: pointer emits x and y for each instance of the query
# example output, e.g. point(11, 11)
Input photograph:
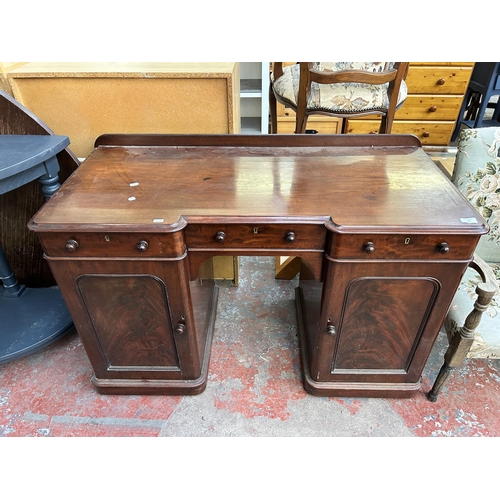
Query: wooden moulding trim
point(349, 230)
point(91, 258)
point(278, 220)
point(263, 140)
point(465, 262)
point(109, 228)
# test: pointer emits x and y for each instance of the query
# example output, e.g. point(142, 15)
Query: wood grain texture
point(382, 322)
point(258, 180)
point(135, 329)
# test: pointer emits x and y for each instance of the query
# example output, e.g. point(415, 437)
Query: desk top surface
point(359, 183)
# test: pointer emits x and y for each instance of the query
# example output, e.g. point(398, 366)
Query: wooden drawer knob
point(441, 81)
point(433, 109)
point(331, 330)
point(443, 247)
point(72, 245)
point(220, 237)
point(290, 237)
point(426, 134)
point(142, 246)
point(369, 247)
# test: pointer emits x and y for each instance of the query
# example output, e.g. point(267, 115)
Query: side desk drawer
point(438, 80)
point(293, 236)
point(113, 244)
point(396, 246)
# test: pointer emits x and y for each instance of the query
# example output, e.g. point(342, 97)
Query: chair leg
point(473, 106)
point(272, 110)
point(496, 113)
point(478, 123)
point(385, 125)
point(461, 114)
point(300, 122)
point(462, 341)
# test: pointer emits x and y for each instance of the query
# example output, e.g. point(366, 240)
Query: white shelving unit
point(254, 97)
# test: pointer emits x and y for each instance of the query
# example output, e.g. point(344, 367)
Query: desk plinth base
point(148, 387)
point(344, 389)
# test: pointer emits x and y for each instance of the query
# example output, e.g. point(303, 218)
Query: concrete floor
point(254, 386)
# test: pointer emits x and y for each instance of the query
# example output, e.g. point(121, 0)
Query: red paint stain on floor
point(469, 404)
point(55, 384)
point(263, 383)
point(353, 405)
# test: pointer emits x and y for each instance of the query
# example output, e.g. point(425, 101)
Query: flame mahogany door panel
point(377, 325)
point(137, 323)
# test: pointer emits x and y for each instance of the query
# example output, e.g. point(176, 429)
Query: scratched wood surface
point(378, 182)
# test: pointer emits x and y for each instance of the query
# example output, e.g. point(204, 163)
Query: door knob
point(331, 330)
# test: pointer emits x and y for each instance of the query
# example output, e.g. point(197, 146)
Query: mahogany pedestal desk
point(382, 234)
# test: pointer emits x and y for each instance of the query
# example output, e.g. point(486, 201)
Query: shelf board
point(251, 87)
point(250, 125)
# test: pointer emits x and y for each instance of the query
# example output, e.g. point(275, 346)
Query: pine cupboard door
point(379, 319)
point(133, 316)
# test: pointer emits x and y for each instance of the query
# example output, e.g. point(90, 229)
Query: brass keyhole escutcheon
point(255, 230)
point(106, 238)
point(407, 241)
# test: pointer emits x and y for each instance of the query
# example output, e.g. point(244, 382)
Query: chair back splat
point(340, 89)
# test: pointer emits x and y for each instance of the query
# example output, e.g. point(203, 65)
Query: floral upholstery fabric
point(339, 97)
point(477, 176)
point(487, 336)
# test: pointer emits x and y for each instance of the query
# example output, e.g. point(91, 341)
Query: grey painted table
point(30, 318)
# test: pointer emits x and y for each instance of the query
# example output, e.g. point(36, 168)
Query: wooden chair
point(473, 320)
point(483, 85)
point(22, 247)
point(338, 89)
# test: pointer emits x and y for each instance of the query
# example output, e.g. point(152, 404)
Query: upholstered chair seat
point(339, 98)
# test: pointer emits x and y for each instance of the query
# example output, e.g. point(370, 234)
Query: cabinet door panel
point(382, 320)
point(135, 326)
point(379, 319)
point(127, 313)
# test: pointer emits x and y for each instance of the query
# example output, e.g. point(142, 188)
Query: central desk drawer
point(256, 236)
point(401, 246)
point(128, 245)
